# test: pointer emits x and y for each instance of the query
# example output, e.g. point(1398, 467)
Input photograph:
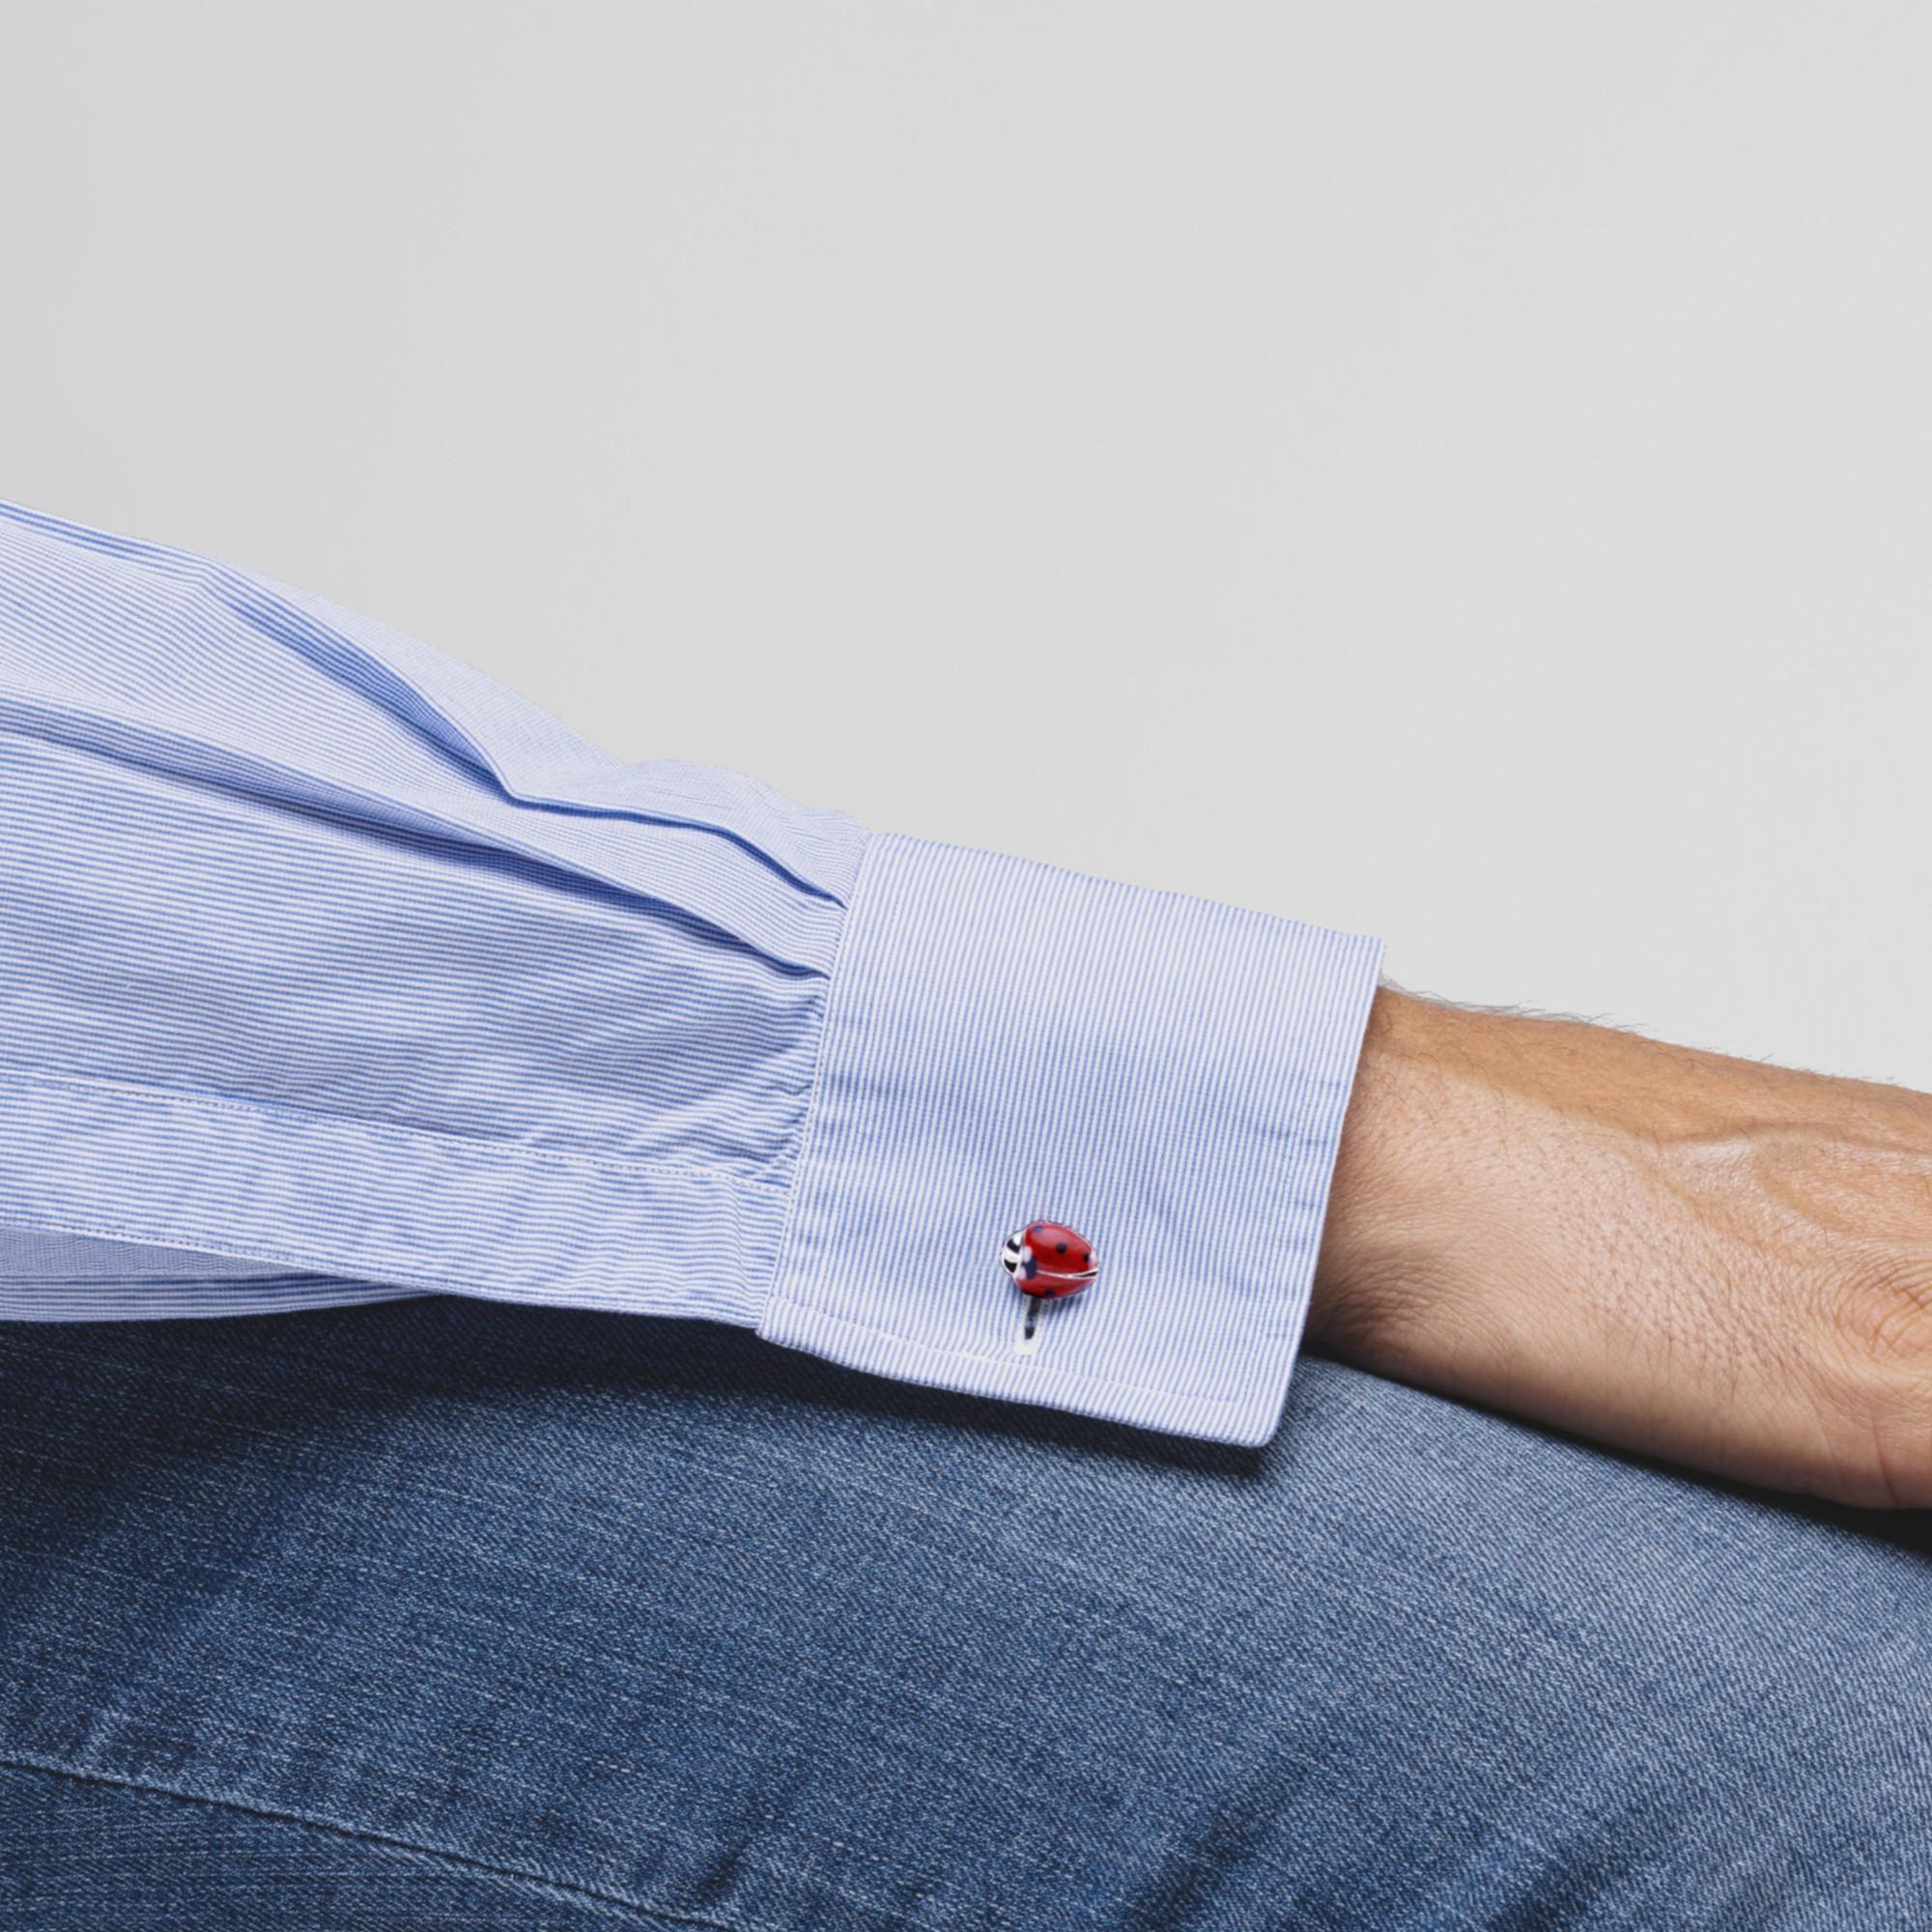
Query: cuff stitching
point(1033, 1364)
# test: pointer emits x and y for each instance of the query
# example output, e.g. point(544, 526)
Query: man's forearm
point(1707, 1259)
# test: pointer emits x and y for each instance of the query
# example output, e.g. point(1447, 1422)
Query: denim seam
point(652, 1916)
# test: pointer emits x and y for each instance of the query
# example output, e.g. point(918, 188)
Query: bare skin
point(1709, 1259)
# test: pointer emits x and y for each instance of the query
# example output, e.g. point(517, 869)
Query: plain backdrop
point(1461, 473)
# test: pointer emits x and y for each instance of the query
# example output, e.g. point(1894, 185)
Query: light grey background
point(1466, 470)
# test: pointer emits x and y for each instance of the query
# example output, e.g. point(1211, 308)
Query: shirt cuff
point(1006, 1041)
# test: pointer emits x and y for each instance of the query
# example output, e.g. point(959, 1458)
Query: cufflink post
point(1029, 1340)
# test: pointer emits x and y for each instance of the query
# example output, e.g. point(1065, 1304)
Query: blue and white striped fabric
point(331, 970)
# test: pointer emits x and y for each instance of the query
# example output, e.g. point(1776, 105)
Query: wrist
point(1701, 1257)
point(1397, 1262)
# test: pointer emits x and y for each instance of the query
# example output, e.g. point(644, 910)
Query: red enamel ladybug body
point(1049, 1259)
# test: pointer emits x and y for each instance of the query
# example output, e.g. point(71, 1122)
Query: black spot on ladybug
point(1060, 1247)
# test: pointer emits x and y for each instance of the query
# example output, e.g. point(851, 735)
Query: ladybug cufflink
point(1048, 1261)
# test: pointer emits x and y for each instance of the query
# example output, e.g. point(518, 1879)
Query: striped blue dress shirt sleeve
point(331, 970)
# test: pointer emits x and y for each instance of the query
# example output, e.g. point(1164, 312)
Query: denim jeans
point(442, 1614)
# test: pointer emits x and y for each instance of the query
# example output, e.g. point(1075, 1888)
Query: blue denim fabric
point(440, 1613)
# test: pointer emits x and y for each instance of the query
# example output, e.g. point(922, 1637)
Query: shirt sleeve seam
point(217, 1105)
point(188, 1236)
